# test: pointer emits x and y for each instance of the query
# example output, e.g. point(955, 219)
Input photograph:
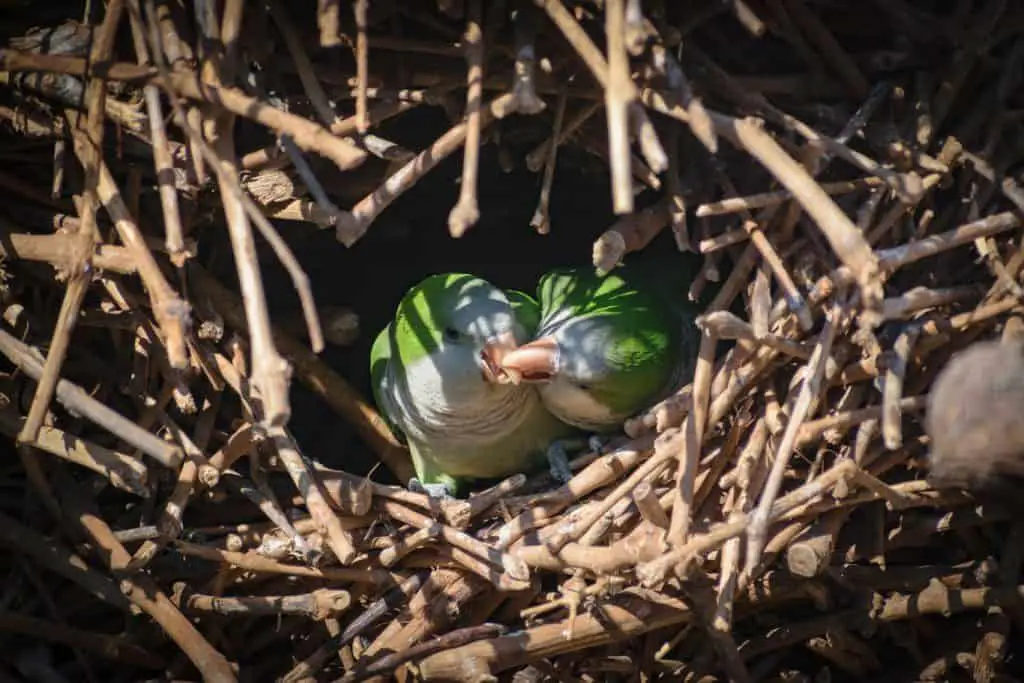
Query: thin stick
point(78, 400)
point(257, 563)
point(450, 640)
point(654, 571)
point(813, 429)
point(123, 471)
point(362, 65)
point(512, 567)
point(747, 17)
point(539, 154)
point(833, 52)
point(649, 506)
point(725, 325)
point(328, 18)
point(339, 540)
point(765, 199)
point(323, 603)
point(95, 98)
point(143, 591)
point(351, 226)
point(466, 212)
point(629, 234)
point(808, 393)
point(617, 98)
point(389, 556)
point(541, 221)
point(317, 376)
point(689, 454)
point(892, 390)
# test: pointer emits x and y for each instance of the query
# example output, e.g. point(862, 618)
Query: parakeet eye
point(451, 334)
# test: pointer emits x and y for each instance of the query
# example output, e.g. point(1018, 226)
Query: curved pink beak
point(493, 356)
point(536, 361)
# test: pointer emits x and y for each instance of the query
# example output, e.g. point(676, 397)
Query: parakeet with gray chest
point(438, 381)
point(607, 346)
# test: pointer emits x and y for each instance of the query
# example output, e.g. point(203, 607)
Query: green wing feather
point(526, 309)
point(380, 356)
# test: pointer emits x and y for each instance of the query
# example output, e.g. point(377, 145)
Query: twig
point(693, 439)
point(466, 212)
point(323, 603)
point(843, 421)
point(765, 199)
point(747, 17)
point(809, 391)
point(123, 471)
point(328, 18)
point(541, 221)
point(95, 98)
point(542, 152)
point(271, 373)
point(629, 234)
point(833, 52)
point(524, 98)
point(367, 618)
point(452, 639)
point(75, 398)
point(143, 591)
point(595, 61)
point(362, 65)
point(618, 95)
point(514, 572)
point(339, 540)
point(649, 506)
point(308, 135)
point(257, 563)
point(389, 556)
point(171, 312)
point(677, 198)
point(320, 378)
point(351, 226)
point(474, 661)
point(725, 325)
point(59, 251)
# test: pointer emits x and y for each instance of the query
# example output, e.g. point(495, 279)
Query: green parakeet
point(438, 381)
point(608, 346)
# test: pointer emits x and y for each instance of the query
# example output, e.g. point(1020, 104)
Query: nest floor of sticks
point(209, 209)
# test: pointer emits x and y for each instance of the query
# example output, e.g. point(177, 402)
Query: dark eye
point(451, 334)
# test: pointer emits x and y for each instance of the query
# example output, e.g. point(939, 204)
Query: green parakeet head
point(459, 327)
point(603, 348)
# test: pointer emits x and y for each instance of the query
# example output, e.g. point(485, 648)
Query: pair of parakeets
point(483, 383)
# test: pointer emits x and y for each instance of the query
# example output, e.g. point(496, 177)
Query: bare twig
point(466, 212)
point(541, 221)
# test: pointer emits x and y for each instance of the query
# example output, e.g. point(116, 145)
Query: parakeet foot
point(558, 457)
point(438, 490)
point(558, 462)
point(598, 442)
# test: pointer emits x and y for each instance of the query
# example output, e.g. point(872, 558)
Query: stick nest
point(847, 174)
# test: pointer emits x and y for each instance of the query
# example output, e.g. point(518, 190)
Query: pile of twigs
point(847, 171)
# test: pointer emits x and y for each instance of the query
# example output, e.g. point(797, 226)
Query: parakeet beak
point(536, 361)
point(493, 356)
